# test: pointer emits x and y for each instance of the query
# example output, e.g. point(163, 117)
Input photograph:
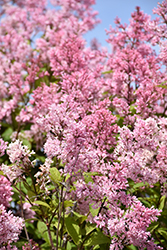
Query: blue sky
point(109, 9)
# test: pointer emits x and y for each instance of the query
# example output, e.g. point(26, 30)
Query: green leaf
point(107, 72)
point(67, 177)
point(131, 247)
point(163, 85)
point(71, 246)
point(55, 175)
point(132, 109)
point(96, 239)
point(136, 186)
point(36, 209)
point(94, 211)
point(68, 245)
point(42, 203)
point(54, 201)
point(1, 173)
point(16, 195)
point(77, 215)
point(87, 178)
point(31, 228)
point(56, 223)
point(31, 219)
point(40, 158)
point(27, 187)
point(93, 174)
point(73, 229)
point(162, 202)
point(31, 195)
point(26, 143)
point(163, 232)
point(105, 93)
point(23, 188)
point(120, 121)
point(7, 134)
point(45, 246)
point(153, 226)
point(89, 228)
point(81, 218)
point(145, 201)
point(68, 203)
point(42, 228)
point(97, 247)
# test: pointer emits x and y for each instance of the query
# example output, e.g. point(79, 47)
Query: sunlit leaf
point(73, 229)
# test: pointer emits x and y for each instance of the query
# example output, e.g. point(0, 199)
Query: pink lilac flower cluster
point(56, 86)
point(130, 227)
point(143, 150)
point(19, 156)
point(5, 191)
point(10, 226)
point(136, 69)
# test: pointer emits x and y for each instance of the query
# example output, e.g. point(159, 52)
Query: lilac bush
point(83, 131)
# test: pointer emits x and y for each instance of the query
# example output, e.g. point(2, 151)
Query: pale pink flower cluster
point(10, 226)
point(5, 191)
point(143, 150)
point(18, 152)
point(19, 155)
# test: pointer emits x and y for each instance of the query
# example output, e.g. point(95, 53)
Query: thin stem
point(22, 215)
point(50, 236)
point(54, 213)
point(102, 206)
